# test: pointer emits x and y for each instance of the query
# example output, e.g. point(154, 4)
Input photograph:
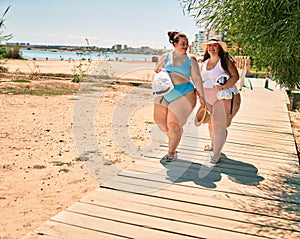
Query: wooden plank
point(122, 228)
point(284, 129)
point(164, 223)
point(218, 218)
point(57, 230)
point(248, 139)
point(212, 198)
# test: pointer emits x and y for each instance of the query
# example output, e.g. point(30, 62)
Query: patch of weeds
point(34, 69)
point(138, 138)
point(3, 68)
point(22, 81)
point(101, 85)
point(108, 162)
point(59, 163)
point(84, 158)
point(65, 170)
point(80, 69)
point(37, 90)
point(59, 75)
point(77, 78)
point(149, 122)
point(78, 159)
point(38, 166)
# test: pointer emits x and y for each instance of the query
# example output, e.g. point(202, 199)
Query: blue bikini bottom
point(178, 91)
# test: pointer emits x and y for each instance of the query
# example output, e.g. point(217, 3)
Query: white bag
point(162, 83)
point(224, 94)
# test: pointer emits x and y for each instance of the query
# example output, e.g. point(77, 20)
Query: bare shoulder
point(161, 63)
point(194, 61)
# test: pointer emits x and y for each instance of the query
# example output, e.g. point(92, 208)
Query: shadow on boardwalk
point(207, 175)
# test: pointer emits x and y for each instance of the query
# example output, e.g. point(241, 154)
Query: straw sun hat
point(212, 41)
point(202, 116)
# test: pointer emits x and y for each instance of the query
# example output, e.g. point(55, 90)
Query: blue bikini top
point(184, 69)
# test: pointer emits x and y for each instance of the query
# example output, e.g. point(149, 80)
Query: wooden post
point(267, 82)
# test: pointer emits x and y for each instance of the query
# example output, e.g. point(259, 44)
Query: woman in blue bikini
point(173, 109)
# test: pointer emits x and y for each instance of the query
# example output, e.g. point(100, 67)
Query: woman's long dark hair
point(224, 56)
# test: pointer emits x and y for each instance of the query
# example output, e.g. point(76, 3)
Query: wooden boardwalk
point(254, 192)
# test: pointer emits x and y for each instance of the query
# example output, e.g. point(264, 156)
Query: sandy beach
point(42, 172)
point(115, 69)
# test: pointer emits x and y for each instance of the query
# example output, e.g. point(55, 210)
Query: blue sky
point(103, 22)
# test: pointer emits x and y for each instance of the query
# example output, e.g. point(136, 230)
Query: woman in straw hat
point(219, 75)
point(172, 110)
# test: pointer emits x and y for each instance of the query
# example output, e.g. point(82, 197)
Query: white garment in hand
point(224, 94)
point(162, 83)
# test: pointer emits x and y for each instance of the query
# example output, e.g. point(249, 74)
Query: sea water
point(70, 55)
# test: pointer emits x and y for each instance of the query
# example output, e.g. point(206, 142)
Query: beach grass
point(39, 91)
point(26, 87)
point(22, 81)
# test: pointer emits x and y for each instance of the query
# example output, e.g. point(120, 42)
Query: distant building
point(17, 44)
point(203, 36)
point(199, 39)
point(209, 34)
point(117, 47)
point(11, 44)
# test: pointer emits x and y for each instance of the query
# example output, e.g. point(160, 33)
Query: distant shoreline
point(117, 49)
point(87, 55)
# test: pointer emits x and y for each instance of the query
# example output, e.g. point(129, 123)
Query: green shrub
point(3, 68)
point(12, 53)
point(22, 81)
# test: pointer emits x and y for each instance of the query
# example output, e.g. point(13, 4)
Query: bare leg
point(235, 108)
point(174, 132)
point(210, 130)
point(218, 119)
point(160, 114)
point(178, 113)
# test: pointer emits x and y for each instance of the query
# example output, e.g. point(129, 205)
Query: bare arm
point(161, 63)
point(234, 75)
point(196, 78)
